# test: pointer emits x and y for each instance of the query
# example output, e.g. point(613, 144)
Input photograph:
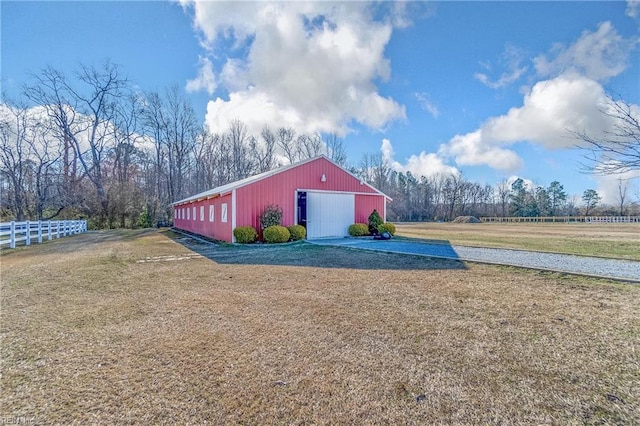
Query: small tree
point(591, 199)
point(374, 221)
point(270, 216)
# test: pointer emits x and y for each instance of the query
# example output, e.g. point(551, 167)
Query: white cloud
point(472, 150)
point(512, 59)
point(206, 79)
point(633, 9)
point(423, 164)
point(426, 104)
point(610, 186)
point(598, 55)
point(550, 112)
point(572, 99)
point(312, 65)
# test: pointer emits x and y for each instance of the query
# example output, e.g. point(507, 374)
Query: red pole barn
point(316, 193)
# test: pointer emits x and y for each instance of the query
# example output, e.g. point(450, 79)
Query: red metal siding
point(365, 205)
point(281, 188)
point(216, 229)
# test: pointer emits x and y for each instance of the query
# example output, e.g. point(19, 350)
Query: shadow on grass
point(314, 255)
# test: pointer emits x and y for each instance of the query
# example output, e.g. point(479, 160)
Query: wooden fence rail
point(565, 219)
point(12, 233)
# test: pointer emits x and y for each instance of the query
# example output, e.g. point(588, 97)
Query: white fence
point(565, 219)
point(12, 233)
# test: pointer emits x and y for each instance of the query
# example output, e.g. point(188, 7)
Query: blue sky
point(487, 89)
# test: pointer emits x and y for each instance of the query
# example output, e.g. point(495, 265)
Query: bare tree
point(14, 156)
point(263, 154)
point(286, 142)
point(309, 145)
point(238, 140)
point(336, 150)
point(83, 117)
point(623, 187)
point(616, 151)
point(179, 135)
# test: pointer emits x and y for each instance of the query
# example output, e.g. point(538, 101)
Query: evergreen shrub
point(374, 221)
point(245, 234)
point(358, 230)
point(298, 232)
point(276, 234)
point(271, 215)
point(387, 227)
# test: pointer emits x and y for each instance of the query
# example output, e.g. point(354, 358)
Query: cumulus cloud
point(472, 149)
point(206, 79)
point(598, 55)
point(423, 164)
point(571, 99)
point(550, 112)
point(313, 66)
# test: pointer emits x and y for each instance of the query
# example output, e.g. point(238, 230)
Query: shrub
point(358, 229)
point(276, 234)
point(298, 232)
point(374, 221)
point(387, 227)
point(270, 216)
point(245, 234)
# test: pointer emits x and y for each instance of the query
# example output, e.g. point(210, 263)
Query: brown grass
point(133, 327)
point(619, 240)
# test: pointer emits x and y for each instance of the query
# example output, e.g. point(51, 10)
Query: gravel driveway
point(626, 270)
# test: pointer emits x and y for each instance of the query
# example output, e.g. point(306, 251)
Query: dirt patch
point(92, 335)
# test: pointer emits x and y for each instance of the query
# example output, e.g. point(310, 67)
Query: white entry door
point(329, 214)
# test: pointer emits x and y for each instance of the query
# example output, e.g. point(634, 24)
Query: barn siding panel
point(281, 189)
point(365, 205)
point(216, 229)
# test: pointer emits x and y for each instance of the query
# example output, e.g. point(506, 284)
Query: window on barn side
point(194, 212)
point(212, 213)
point(223, 212)
point(201, 213)
point(188, 214)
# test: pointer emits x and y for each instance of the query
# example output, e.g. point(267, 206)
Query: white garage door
point(329, 214)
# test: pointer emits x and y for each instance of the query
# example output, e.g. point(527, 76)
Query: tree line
point(95, 147)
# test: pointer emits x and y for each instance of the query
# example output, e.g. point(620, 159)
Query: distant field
point(605, 240)
point(136, 327)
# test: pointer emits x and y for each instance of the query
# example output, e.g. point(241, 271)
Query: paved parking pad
point(626, 270)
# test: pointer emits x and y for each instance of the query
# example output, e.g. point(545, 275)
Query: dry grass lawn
point(616, 240)
point(143, 327)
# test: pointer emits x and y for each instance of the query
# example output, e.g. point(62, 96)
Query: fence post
point(39, 232)
point(12, 230)
point(27, 229)
point(49, 230)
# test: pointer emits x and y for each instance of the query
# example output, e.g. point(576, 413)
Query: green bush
point(298, 232)
point(358, 229)
point(271, 215)
point(276, 234)
point(374, 221)
point(245, 234)
point(387, 227)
